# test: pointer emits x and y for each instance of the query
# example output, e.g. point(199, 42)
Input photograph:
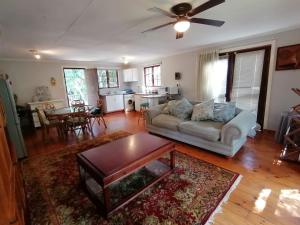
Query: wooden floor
point(269, 192)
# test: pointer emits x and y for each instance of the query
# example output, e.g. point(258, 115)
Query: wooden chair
point(49, 106)
point(291, 150)
point(47, 123)
point(78, 121)
point(96, 114)
point(77, 103)
point(143, 108)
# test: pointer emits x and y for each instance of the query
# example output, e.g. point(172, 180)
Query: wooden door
point(12, 197)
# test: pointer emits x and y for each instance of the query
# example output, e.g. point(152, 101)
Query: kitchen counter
point(103, 95)
point(153, 96)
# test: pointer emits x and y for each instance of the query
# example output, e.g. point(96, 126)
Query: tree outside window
point(108, 78)
point(75, 84)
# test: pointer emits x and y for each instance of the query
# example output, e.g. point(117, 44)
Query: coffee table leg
point(172, 159)
point(106, 196)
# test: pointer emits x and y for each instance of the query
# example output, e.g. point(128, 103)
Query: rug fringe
point(224, 201)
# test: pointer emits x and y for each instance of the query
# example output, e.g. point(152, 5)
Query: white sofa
point(225, 139)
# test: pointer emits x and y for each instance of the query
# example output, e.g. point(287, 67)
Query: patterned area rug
point(190, 195)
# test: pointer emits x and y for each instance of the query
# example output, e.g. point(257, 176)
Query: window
point(152, 76)
point(75, 84)
point(247, 79)
point(220, 79)
point(108, 78)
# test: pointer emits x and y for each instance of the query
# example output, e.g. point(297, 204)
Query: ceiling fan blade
point(158, 27)
point(163, 12)
point(179, 35)
point(205, 6)
point(216, 23)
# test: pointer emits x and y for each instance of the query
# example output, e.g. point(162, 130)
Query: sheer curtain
point(207, 80)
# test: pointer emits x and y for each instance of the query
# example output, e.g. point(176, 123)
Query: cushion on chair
point(208, 130)
point(166, 121)
point(76, 120)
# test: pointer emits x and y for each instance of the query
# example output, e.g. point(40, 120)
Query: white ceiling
point(107, 30)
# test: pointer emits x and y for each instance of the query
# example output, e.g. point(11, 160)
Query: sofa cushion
point(223, 112)
point(166, 121)
point(203, 111)
point(208, 130)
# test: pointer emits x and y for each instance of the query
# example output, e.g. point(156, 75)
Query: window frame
point(107, 78)
point(152, 75)
point(65, 81)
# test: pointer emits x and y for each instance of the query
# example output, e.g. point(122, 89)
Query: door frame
point(264, 79)
point(65, 82)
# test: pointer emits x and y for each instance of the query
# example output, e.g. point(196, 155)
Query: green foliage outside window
point(108, 78)
point(76, 85)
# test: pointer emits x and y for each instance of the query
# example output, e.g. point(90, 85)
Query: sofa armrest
point(238, 127)
point(153, 112)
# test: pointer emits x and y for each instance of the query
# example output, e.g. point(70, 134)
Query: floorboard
point(269, 192)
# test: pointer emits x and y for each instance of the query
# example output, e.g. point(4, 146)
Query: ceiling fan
point(182, 13)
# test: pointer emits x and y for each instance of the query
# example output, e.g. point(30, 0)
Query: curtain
point(207, 75)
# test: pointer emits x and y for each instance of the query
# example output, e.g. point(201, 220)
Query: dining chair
point(97, 114)
point(77, 103)
point(78, 120)
point(49, 106)
point(47, 123)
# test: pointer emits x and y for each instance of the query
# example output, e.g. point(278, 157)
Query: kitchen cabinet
point(113, 103)
point(130, 75)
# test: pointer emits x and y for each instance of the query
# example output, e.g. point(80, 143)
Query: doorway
point(247, 79)
point(75, 84)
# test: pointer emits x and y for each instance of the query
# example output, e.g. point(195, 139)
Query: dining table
point(67, 111)
point(64, 113)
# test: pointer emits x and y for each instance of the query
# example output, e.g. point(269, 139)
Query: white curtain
point(207, 75)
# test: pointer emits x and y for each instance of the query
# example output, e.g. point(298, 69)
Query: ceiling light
point(125, 60)
point(37, 56)
point(182, 26)
point(35, 53)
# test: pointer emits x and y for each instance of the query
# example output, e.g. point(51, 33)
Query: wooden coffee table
point(108, 164)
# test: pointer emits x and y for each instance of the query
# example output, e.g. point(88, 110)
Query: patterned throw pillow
point(182, 109)
point(223, 112)
point(203, 111)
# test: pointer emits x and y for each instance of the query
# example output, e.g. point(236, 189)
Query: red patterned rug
point(190, 195)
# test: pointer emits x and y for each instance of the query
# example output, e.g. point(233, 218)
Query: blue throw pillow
point(223, 112)
point(182, 109)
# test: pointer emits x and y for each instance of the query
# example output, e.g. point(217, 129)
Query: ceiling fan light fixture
point(37, 56)
point(182, 26)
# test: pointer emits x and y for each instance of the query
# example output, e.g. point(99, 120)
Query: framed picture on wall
point(288, 57)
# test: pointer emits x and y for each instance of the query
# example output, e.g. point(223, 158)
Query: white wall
point(280, 96)
point(27, 75)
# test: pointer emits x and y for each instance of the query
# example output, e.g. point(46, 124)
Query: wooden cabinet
point(130, 75)
point(58, 103)
point(113, 103)
point(12, 196)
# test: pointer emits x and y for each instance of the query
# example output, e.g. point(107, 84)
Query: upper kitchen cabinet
point(130, 75)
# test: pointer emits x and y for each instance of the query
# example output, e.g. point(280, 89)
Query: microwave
point(173, 90)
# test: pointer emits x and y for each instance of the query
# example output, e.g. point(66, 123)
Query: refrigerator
point(12, 118)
